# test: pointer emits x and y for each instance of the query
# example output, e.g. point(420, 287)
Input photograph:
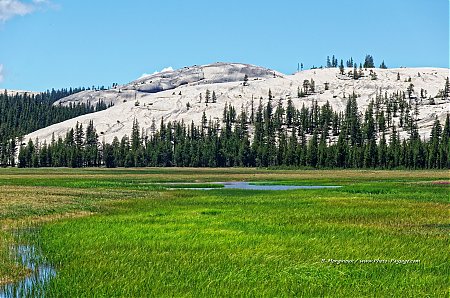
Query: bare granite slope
point(179, 95)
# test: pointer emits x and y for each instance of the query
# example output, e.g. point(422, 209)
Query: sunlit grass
point(134, 238)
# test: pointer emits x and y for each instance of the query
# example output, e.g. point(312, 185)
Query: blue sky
point(68, 43)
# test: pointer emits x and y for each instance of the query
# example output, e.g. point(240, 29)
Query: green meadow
point(141, 232)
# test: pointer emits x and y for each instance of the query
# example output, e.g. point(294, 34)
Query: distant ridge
point(179, 95)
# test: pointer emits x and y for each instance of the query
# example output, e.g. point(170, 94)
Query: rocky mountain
point(180, 95)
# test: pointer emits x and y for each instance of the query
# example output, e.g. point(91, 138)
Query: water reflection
point(40, 273)
point(249, 186)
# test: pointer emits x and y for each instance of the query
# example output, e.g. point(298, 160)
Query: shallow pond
point(40, 272)
point(250, 186)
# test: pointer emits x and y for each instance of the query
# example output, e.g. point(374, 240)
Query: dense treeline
point(24, 113)
point(272, 134)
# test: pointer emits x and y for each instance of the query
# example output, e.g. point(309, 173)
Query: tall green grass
point(155, 242)
point(242, 243)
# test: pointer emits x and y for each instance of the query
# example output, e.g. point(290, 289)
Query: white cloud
point(166, 69)
point(12, 8)
point(1, 73)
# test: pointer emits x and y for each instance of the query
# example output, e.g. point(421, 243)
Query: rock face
point(188, 76)
point(180, 95)
point(199, 75)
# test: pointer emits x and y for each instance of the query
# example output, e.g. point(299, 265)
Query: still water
point(249, 186)
point(31, 285)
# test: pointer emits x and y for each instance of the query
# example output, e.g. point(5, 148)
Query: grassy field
point(123, 233)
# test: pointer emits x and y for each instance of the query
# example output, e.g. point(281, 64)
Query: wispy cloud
point(1, 73)
point(12, 8)
point(166, 69)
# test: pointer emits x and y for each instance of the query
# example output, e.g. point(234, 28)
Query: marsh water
point(251, 186)
point(40, 273)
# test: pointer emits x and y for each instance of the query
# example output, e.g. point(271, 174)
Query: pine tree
point(77, 158)
point(341, 150)
point(124, 148)
point(370, 154)
point(12, 150)
point(433, 145)
point(269, 152)
point(91, 145)
point(447, 89)
point(290, 113)
point(302, 147)
point(353, 123)
point(204, 122)
point(444, 149)
point(410, 90)
point(22, 157)
point(135, 136)
point(394, 149)
point(419, 154)
point(335, 124)
point(35, 155)
point(350, 63)
point(341, 67)
point(312, 86)
point(282, 149)
point(305, 87)
point(108, 155)
point(207, 96)
point(139, 157)
point(278, 116)
point(129, 160)
point(368, 62)
point(244, 155)
point(25, 154)
point(246, 80)
point(291, 156)
point(355, 73)
point(258, 137)
point(381, 122)
point(322, 149)
point(382, 152)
